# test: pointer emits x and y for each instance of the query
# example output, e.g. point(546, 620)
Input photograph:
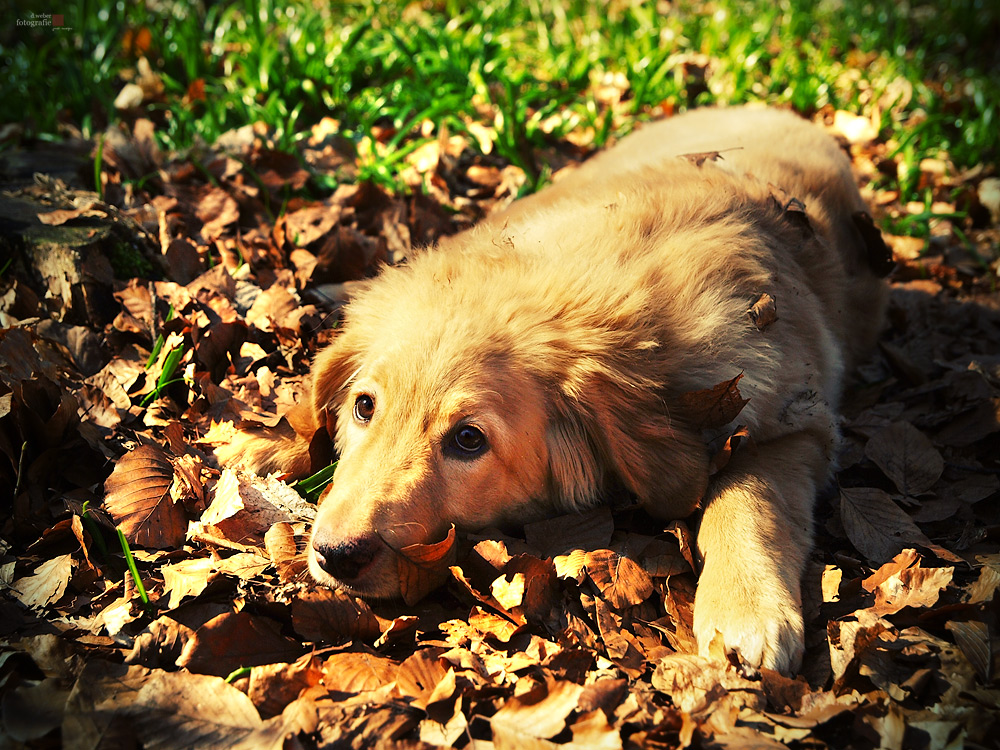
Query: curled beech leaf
point(424, 567)
point(137, 495)
point(716, 406)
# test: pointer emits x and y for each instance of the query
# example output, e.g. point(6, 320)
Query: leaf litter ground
point(576, 633)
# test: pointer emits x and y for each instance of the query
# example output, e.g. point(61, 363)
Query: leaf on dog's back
point(424, 567)
point(907, 457)
point(740, 436)
point(763, 312)
point(138, 499)
point(621, 580)
point(701, 157)
point(714, 407)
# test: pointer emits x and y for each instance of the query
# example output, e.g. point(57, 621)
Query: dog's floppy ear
point(295, 446)
point(576, 475)
point(302, 442)
point(626, 436)
point(331, 372)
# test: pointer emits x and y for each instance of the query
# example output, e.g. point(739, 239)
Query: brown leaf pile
point(575, 634)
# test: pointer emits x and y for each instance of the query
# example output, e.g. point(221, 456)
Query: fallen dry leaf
point(487, 623)
point(61, 216)
point(244, 507)
point(589, 529)
point(47, 584)
point(876, 526)
point(332, 615)
point(620, 580)
point(692, 680)
point(855, 128)
point(236, 639)
point(358, 672)
point(973, 637)
point(907, 457)
point(217, 210)
point(124, 706)
point(419, 675)
point(279, 541)
point(137, 495)
point(540, 713)
point(985, 587)
point(274, 686)
point(186, 578)
point(912, 587)
point(424, 567)
point(32, 711)
point(899, 563)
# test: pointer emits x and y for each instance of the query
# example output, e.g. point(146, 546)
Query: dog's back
point(776, 150)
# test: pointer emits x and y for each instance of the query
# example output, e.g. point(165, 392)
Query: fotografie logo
point(52, 20)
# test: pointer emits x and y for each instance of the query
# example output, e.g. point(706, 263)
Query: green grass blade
point(133, 569)
point(312, 486)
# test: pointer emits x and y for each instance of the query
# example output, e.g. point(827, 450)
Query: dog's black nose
point(345, 560)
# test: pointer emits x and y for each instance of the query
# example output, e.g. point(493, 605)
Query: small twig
point(217, 541)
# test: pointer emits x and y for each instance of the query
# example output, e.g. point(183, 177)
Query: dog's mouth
point(369, 566)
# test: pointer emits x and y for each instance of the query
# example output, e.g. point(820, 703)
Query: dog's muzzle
point(345, 561)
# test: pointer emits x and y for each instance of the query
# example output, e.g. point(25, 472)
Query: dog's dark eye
point(468, 440)
point(364, 408)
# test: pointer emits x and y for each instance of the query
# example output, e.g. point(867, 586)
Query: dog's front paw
point(759, 618)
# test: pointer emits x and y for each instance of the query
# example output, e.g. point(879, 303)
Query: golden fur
point(566, 330)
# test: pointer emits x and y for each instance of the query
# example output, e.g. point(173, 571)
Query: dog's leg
point(755, 535)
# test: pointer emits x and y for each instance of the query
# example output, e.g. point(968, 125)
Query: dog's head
point(452, 411)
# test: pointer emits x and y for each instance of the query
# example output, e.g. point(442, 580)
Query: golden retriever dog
point(529, 365)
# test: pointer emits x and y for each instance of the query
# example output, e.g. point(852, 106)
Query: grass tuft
point(535, 70)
